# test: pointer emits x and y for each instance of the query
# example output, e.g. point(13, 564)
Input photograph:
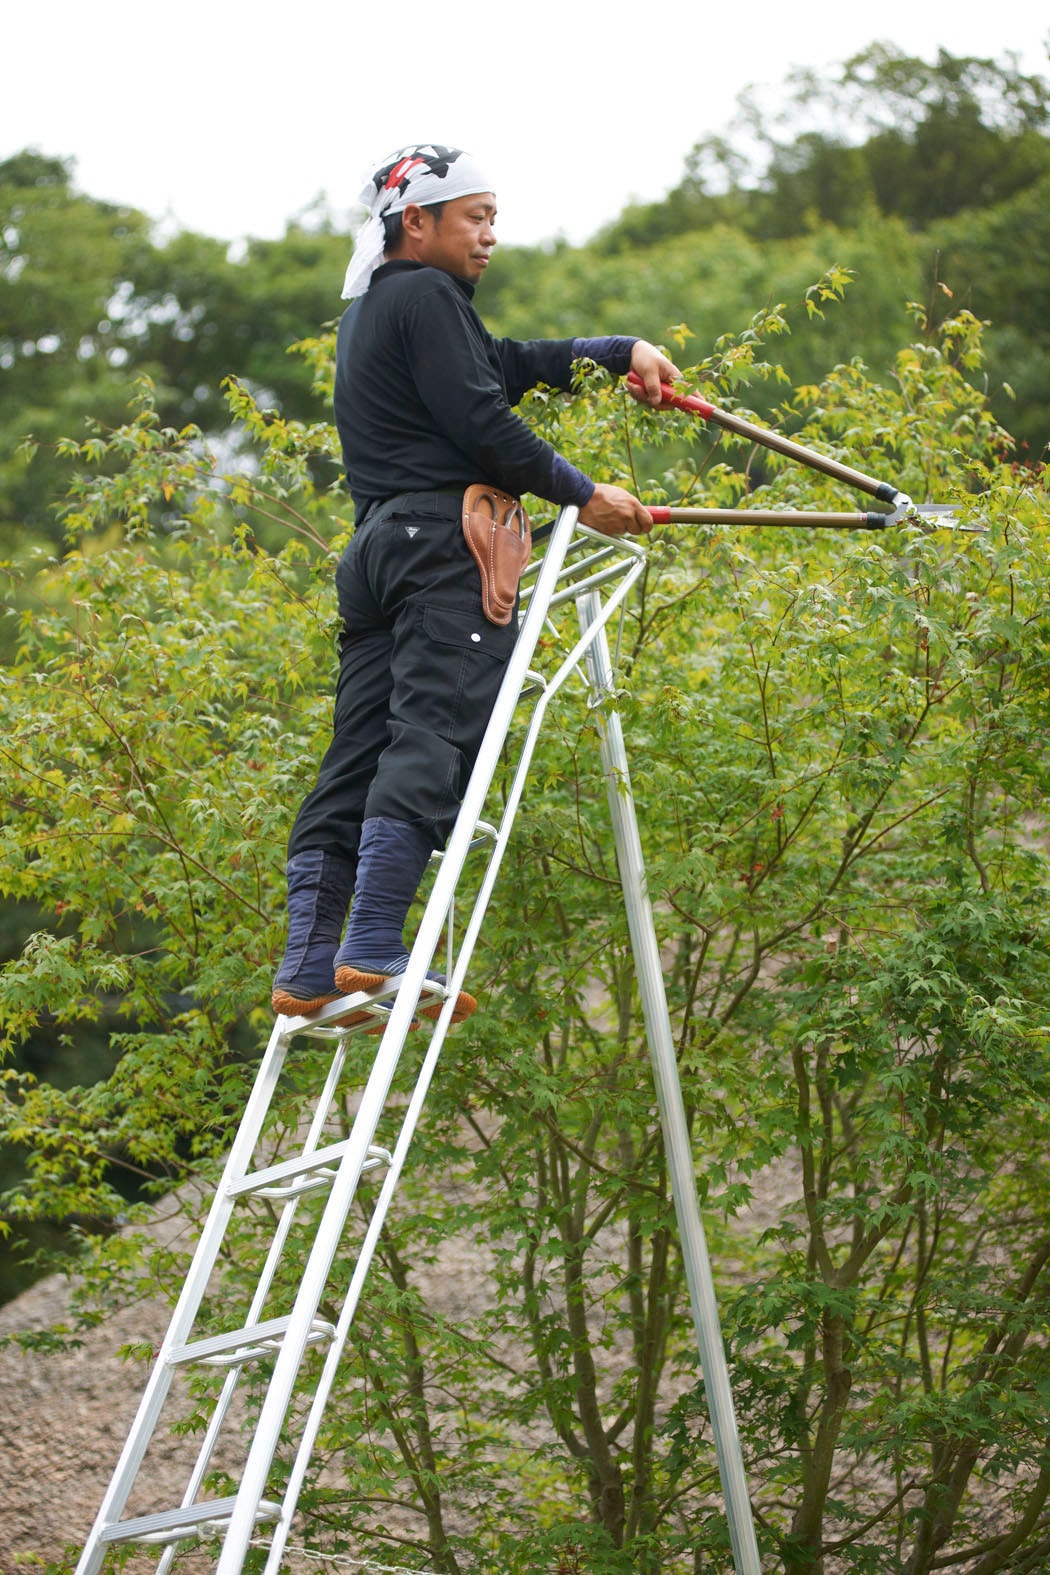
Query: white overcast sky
point(229, 118)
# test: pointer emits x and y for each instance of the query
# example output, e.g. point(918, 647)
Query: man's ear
point(413, 220)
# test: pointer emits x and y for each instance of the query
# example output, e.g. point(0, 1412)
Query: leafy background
point(840, 762)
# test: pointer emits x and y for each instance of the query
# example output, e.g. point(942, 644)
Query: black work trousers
point(419, 671)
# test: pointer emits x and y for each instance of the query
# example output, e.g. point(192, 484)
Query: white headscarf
point(423, 173)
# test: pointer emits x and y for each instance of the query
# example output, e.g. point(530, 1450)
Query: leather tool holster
point(497, 531)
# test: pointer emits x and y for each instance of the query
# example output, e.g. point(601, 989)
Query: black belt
point(440, 500)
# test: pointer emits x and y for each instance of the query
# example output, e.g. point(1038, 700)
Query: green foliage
point(911, 140)
point(62, 259)
point(962, 133)
point(929, 180)
point(994, 262)
point(710, 278)
point(840, 760)
point(91, 298)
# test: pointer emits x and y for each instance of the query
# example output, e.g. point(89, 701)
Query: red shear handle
point(671, 401)
point(883, 490)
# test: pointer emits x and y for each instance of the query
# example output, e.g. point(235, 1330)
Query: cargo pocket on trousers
point(469, 631)
point(467, 657)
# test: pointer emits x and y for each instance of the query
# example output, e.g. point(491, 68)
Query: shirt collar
point(405, 264)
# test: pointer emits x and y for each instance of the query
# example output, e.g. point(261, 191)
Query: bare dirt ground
point(64, 1416)
point(63, 1421)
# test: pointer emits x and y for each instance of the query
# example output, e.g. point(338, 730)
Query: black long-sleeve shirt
point(423, 392)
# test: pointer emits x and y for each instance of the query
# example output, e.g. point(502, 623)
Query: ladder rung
point(372, 1016)
point(315, 1031)
point(245, 1345)
point(192, 1520)
point(304, 1173)
point(581, 558)
point(601, 577)
point(483, 832)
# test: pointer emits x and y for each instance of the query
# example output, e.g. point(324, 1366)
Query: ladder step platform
point(245, 1345)
point(191, 1520)
point(324, 1023)
point(304, 1173)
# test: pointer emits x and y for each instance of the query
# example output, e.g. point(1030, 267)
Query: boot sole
point(292, 1006)
point(351, 979)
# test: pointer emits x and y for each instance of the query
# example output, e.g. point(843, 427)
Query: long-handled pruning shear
point(900, 504)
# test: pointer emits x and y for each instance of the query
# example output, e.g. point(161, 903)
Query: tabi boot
point(320, 886)
point(391, 861)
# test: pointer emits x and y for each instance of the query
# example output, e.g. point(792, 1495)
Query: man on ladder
point(423, 398)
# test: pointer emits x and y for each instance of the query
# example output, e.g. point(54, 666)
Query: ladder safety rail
point(598, 573)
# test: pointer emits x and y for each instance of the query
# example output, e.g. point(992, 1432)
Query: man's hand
point(615, 512)
point(653, 367)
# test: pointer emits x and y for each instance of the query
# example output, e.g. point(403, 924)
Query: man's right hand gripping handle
point(615, 512)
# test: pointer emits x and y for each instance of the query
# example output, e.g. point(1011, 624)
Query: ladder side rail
point(672, 1110)
point(326, 1243)
point(426, 1073)
point(236, 1169)
point(186, 1308)
point(428, 936)
point(585, 647)
point(362, 1266)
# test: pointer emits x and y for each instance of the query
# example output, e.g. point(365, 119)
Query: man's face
point(459, 239)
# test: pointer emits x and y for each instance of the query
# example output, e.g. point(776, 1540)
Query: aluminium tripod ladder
point(597, 574)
